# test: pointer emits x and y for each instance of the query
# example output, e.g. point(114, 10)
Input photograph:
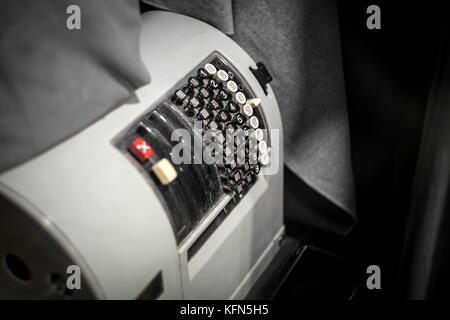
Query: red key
point(140, 149)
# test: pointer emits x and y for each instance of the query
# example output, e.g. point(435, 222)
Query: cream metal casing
point(89, 203)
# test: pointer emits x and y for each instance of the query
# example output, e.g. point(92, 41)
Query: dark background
point(388, 74)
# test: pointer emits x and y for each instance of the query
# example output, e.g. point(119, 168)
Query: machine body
point(135, 229)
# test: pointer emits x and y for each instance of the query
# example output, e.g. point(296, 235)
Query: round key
point(222, 75)
point(204, 114)
point(231, 164)
point(259, 134)
point(195, 103)
point(179, 97)
point(264, 159)
point(240, 98)
point(223, 95)
point(213, 104)
point(213, 125)
point(210, 68)
point(189, 112)
point(220, 137)
point(223, 116)
point(230, 127)
point(239, 119)
point(202, 73)
point(213, 84)
point(247, 110)
point(262, 146)
point(204, 93)
point(236, 176)
point(193, 82)
point(256, 168)
point(253, 122)
point(232, 107)
point(253, 156)
point(232, 86)
point(239, 188)
point(249, 178)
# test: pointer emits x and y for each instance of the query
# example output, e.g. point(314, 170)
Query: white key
point(253, 122)
point(232, 86)
point(210, 68)
point(247, 110)
point(239, 97)
point(264, 159)
point(222, 75)
point(262, 146)
point(259, 134)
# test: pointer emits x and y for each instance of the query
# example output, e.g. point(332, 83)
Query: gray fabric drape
point(55, 81)
point(299, 42)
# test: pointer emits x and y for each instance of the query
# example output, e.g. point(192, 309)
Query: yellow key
point(165, 171)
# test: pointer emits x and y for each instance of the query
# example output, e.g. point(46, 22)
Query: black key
point(220, 137)
point(213, 105)
point(256, 168)
point(232, 107)
point(253, 156)
point(239, 188)
point(236, 176)
point(231, 163)
point(204, 93)
point(204, 114)
point(213, 84)
point(189, 112)
point(188, 90)
point(223, 116)
point(239, 119)
point(202, 73)
point(212, 125)
point(195, 103)
point(248, 178)
point(179, 97)
point(193, 82)
point(247, 131)
point(240, 156)
point(227, 152)
point(239, 140)
point(223, 95)
point(230, 127)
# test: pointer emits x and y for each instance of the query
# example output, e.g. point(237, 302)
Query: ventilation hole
point(18, 267)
